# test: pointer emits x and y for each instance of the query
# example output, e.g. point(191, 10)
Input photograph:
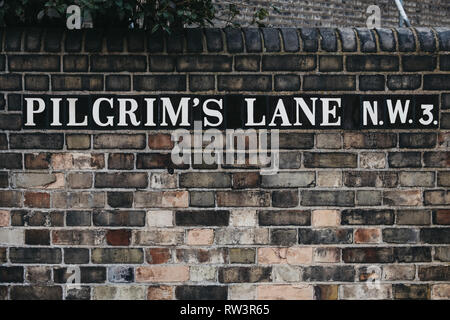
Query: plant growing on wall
point(166, 15)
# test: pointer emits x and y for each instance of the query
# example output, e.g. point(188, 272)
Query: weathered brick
point(329, 82)
point(325, 218)
point(172, 273)
point(119, 218)
point(378, 179)
point(419, 63)
point(288, 180)
point(372, 82)
point(119, 141)
point(10, 121)
point(330, 160)
point(165, 199)
point(288, 63)
point(244, 274)
point(34, 63)
point(78, 237)
point(201, 292)
point(434, 273)
point(36, 293)
point(404, 159)
point(204, 63)
point(411, 291)
point(37, 237)
point(159, 237)
point(368, 255)
point(247, 63)
point(117, 255)
point(35, 255)
point(244, 83)
point(436, 159)
point(10, 161)
point(202, 218)
point(325, 236)
point(120, 199)
point(51, 141)
point(412, 254)
point(367, 217)
point(404, 82)
point(197, 237)
point(77, 82)
point(121, 180)
point(205, 180)
point(328, 198)
point(436, 197)
point(159, 82)
point(118, 63)
point(435, 235)
point(76, 256)
point(372, 63)
point(335, 273)
point(243, 198)
point(413, 217)
point(330, 63)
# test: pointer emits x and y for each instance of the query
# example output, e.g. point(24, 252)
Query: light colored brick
point(328, 141)
point(286, 273)
point(160, 218)
point(441, 292)
point(38, 180)
point(200, 237)
point(169, 273)
point(243, 218)
point(293, 255)
point(285, 292)
point(4, 218)
point(242, 236)
point(202, 273)
point(365, 292)
point(242, 292)
point(165, 199)
point(159, 237)
point(372, 160)
point(160, 293)
point(122, 292)
point(12, 236)
point(325, 218)
point(329, 179)
point(62, 161)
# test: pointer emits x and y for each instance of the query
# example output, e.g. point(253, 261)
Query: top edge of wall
point(229, 40)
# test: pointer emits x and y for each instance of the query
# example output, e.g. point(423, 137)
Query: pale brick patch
point(242, 292)
point(243, 218)
point(441, 291)
point(160, 218)
point(12, 237)
point(119, 293)
point(172, 273)
point(325, 218)
point(198, 237)
point(329, 179)
point(285, 292)
point(4, 218)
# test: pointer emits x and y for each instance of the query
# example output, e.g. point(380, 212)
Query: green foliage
point(154, 15)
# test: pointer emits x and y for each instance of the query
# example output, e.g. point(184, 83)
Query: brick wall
point(342, 13)
point(344, 205)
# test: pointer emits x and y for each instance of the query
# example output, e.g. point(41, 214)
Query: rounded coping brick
point(232, 40)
